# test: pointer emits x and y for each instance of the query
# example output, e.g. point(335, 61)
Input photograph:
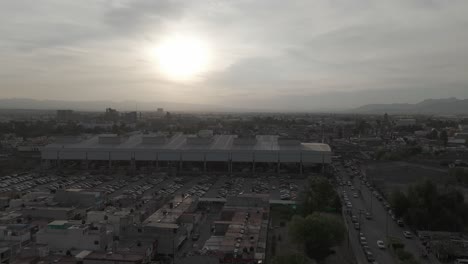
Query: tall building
point(130, 117)
point(160, 111)
point(111, 114)
point(65, 115)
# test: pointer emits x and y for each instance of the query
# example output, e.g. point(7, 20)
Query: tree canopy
point(318, 196)
point(317, 233)
point(425, 208)
point(291, 259)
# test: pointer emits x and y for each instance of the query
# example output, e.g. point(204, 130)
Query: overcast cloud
point(303, 55)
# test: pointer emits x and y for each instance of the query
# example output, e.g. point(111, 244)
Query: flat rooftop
point(179, 142)
point(166, 217)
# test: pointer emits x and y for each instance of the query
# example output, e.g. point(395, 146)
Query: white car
point(381, 244)
point(407, 234)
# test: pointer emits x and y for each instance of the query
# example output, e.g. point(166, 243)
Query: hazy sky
point(268, 54)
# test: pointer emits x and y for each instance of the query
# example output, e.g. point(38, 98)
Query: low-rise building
point(168, 226)
point(116, 221)
point(79, 198)
point(241, 232)
point(63, 236)
point(49, 212)
point(20, 233)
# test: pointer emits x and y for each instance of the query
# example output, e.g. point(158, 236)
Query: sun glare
point(182, 58)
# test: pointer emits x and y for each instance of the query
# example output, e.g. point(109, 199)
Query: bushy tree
point(317, 233)
point(400, 203)
point(319, 195)
point(291, 259)
point(425, 208)
point(443, 137)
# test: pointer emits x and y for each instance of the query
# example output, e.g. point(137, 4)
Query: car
point(357, 226)
point(355, 195)
point(407, 234)
point(381, 244)
point(354, 219)
point(362, 239)
point(365, 248)
point(400, 222)
point(370, 256)
point(368, 216)
point(195, 237)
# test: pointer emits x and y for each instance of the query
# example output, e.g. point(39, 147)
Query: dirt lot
point(399, 175)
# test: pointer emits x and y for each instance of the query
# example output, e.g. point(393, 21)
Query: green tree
point(432, 210)
point(318, 195)
point(400, 203)
point(317, 233)
point(291, 259)
point(433, 134)
point(443, 137)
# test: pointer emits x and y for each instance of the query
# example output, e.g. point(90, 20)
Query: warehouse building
point(202, 152)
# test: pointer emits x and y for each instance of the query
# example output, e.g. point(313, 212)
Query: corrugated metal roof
point(178, 142)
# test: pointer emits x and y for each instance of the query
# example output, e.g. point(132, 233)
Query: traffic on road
point(372, 226)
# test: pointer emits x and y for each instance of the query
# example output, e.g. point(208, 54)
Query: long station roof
point(179, 142)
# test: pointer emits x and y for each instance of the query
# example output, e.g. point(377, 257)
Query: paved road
point(380, 227)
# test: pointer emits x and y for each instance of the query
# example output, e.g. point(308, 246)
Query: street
point(380, 227)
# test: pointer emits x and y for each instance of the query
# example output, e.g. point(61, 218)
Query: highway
point(380, 227)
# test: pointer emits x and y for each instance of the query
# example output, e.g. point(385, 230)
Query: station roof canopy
point(179, 142)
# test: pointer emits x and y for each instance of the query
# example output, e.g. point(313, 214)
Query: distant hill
point(447, 106)
point(25, 103)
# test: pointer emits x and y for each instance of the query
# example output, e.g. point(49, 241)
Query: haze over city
point(234, 131)
point(276, 55)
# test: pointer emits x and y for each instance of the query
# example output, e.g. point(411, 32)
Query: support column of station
point(58, 161)
point(110, 161)
point(133, 165)
point(180, 162)
point(86, 161)
point(300, 165)
point(204, 162)
point(157, 161)
point(278, 166)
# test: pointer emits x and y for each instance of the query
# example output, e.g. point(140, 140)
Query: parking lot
point(278, 187)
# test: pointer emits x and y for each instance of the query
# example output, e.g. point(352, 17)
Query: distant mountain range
point(447, 106)
point(25, 103)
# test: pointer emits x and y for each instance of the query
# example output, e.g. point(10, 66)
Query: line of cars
point(200, 189)
point(170, 188)
point(387, 206)
point(367, 251)
point(29, 184)
point(86, 184)
point(110, 188)
point(233, 186)
point(138, 190)
point(288, 190)
point(8, 180)
point(407, 234)
point(365, 247)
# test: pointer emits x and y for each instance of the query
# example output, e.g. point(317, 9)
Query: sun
point(182, 58)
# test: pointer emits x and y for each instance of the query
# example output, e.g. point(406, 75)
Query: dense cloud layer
point(268, 54)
